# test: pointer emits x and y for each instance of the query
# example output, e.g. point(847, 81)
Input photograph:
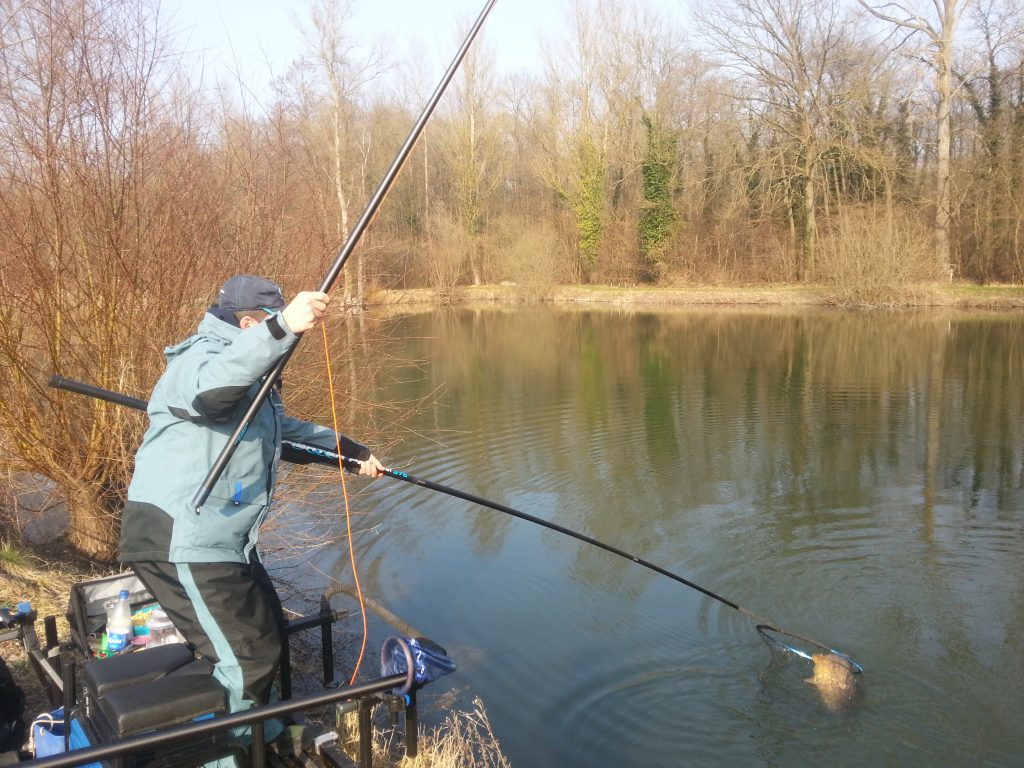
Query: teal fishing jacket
point(210, 380)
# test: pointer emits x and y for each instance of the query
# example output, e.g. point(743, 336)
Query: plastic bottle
point(119, 624)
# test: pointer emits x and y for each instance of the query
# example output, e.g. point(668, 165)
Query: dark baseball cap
point(243, 293)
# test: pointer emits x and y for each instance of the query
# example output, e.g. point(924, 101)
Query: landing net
point(805, 648)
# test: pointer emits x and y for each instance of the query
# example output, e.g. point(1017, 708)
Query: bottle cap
point(124, 594)
point(24, 606)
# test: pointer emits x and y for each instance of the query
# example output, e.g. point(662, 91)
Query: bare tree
point(471, 145)
point(347, 70)
point(990, 132)
point(789, 52)
point(104, 214)
point(570, 124)
point(939, 30)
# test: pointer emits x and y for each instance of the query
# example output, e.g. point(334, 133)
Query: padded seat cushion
point(105, 675)
point(169, 700)
point(149, 689)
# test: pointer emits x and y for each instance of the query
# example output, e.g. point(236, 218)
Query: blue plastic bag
point(48, 736)
point(427, 659)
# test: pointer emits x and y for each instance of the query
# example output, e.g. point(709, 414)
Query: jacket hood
point(212, 326)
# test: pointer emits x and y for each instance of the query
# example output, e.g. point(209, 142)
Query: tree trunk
point(811, 226)
point(944, 62)
point(941, 37)
point(340, 197)
point(426, 188)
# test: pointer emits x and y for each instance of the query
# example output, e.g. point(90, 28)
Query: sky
point(258, 38)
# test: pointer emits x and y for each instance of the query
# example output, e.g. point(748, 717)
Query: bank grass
point(43, 576)
point(464, 740)
point(854, 287)
point(982, 296)
point(11, 557)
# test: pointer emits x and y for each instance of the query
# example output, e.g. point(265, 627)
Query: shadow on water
point(858, 478)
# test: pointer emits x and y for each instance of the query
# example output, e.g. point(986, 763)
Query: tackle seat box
point(87, 613)
point(149, 689)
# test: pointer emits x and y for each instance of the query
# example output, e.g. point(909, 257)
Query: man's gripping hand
point(305, 310)
point(372, 467)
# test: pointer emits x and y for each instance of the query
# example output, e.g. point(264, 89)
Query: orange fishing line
point(348, 516)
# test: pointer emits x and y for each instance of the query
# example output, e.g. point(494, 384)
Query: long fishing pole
point(292, 451)
point(324, 456)
point(332, 274)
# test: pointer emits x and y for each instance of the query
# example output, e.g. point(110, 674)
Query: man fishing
point(202, 566)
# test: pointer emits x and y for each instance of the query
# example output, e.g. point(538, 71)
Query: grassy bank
point(43, 576)
point(952, 295)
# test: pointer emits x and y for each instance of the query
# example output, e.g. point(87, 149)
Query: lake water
point(854, 477)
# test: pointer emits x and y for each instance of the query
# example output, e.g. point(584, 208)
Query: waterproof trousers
point(231, 613)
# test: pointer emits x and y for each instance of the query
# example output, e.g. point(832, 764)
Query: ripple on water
point(649, 711)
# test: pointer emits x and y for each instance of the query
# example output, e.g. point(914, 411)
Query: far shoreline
point(960, 296)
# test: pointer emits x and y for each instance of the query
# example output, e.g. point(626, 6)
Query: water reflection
point(857, 477)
